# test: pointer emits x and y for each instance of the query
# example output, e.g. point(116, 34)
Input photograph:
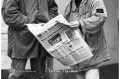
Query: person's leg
point(17, 69)
point(92, 74)
point(80, 75)
point(38, 67)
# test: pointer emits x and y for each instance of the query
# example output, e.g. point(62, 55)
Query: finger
point(72, 23)
point(74, 26)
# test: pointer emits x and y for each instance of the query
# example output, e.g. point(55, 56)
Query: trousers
point(89, 74)
point(37, 68)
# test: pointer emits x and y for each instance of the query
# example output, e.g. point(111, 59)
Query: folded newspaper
point(61, 41)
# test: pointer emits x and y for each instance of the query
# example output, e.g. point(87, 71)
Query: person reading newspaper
point(89, 16)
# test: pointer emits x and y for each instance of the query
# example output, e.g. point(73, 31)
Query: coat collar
point(72, 7)
point(83, 2)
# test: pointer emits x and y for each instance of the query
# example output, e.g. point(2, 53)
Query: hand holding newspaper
point(61, 41)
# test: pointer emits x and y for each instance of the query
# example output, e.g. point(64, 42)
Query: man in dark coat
point(22, 45)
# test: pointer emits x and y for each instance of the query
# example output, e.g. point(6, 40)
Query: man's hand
point(74, 24)
point(40, 17)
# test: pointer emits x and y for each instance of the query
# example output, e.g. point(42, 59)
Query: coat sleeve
point(12, 16)
point(97, 19)
point(52, 8)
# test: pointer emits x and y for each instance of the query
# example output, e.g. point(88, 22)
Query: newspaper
point(61, 41)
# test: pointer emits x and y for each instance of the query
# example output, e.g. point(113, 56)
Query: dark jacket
point(91, 14)
point(21, 43)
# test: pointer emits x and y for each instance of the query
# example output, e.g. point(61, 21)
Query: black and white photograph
point(33, 47)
